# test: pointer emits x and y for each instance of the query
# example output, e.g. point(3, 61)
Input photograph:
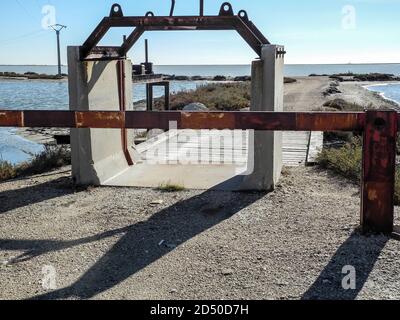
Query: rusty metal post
point(122, 106)
point(150, 96)
point(378, 171)
point(148, 108)
point(146, 50)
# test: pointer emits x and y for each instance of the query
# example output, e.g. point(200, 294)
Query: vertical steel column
point(378, 171)
point(150, 97)
point(201, 8)
point(148, 107)
point(166, 95)
point(146, 50)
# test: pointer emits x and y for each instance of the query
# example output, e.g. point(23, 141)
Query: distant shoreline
point(207, 65)
point(231, 70)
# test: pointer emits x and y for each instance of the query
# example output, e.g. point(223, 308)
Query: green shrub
point(347, 162)
point(343, 105)
point(7, 171)
point(51, 158)
point(222, 96)
point(228, 96)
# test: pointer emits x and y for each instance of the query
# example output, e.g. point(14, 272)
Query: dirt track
point(107, 243)
point(306, 93)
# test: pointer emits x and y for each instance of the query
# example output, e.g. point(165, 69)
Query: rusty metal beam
point(247, 34)
point(104, 53)
point(378, 173)
point(256, 31)
point(152, 23)
point(131, 40)
point(176, 21)
point(95, 37)
point(273, 121)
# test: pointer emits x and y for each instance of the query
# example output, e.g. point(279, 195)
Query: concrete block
point(97, 154)
point(265, 148)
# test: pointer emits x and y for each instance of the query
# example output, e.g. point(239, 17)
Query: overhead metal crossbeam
point(226, 20)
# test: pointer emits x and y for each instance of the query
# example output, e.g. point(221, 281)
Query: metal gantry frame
point(226, 20)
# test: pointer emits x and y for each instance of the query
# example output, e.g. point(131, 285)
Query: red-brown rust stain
point(11, 118)
point(372, 194)
point(378, 202)
point(328, 121)
point(207, 120)
point(100, 119)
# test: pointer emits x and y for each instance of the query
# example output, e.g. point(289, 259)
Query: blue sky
point(313, 31)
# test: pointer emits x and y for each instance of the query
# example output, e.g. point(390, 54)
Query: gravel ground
point(108, 243)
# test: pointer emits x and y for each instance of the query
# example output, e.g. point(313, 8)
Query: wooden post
point(378, 171)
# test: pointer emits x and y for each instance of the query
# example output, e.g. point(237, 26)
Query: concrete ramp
point(164, 159)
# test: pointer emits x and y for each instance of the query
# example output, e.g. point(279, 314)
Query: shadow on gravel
point(358, 251)
point(140, 244)
point(18, 198)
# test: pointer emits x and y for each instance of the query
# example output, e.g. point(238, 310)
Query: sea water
point(390, 91)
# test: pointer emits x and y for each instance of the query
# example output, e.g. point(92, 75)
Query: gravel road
point(107, 243)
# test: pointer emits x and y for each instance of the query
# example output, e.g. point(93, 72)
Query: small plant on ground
point(171, 187)
point(343, 105)
point(227, 96)
point(347, 162)
point(52, 157)
point(7, 171)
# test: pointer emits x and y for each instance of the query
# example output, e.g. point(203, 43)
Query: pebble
point(227, 272)
point(156, 202)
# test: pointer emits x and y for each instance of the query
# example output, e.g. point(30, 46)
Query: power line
point(38, 4)
point(27, 35)
point(11, 43)
point(26, 10)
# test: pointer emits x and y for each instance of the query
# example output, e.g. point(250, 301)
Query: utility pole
point(57, 28)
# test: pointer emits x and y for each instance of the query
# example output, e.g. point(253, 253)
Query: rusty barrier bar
point(379, 147)
point(268, 121)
